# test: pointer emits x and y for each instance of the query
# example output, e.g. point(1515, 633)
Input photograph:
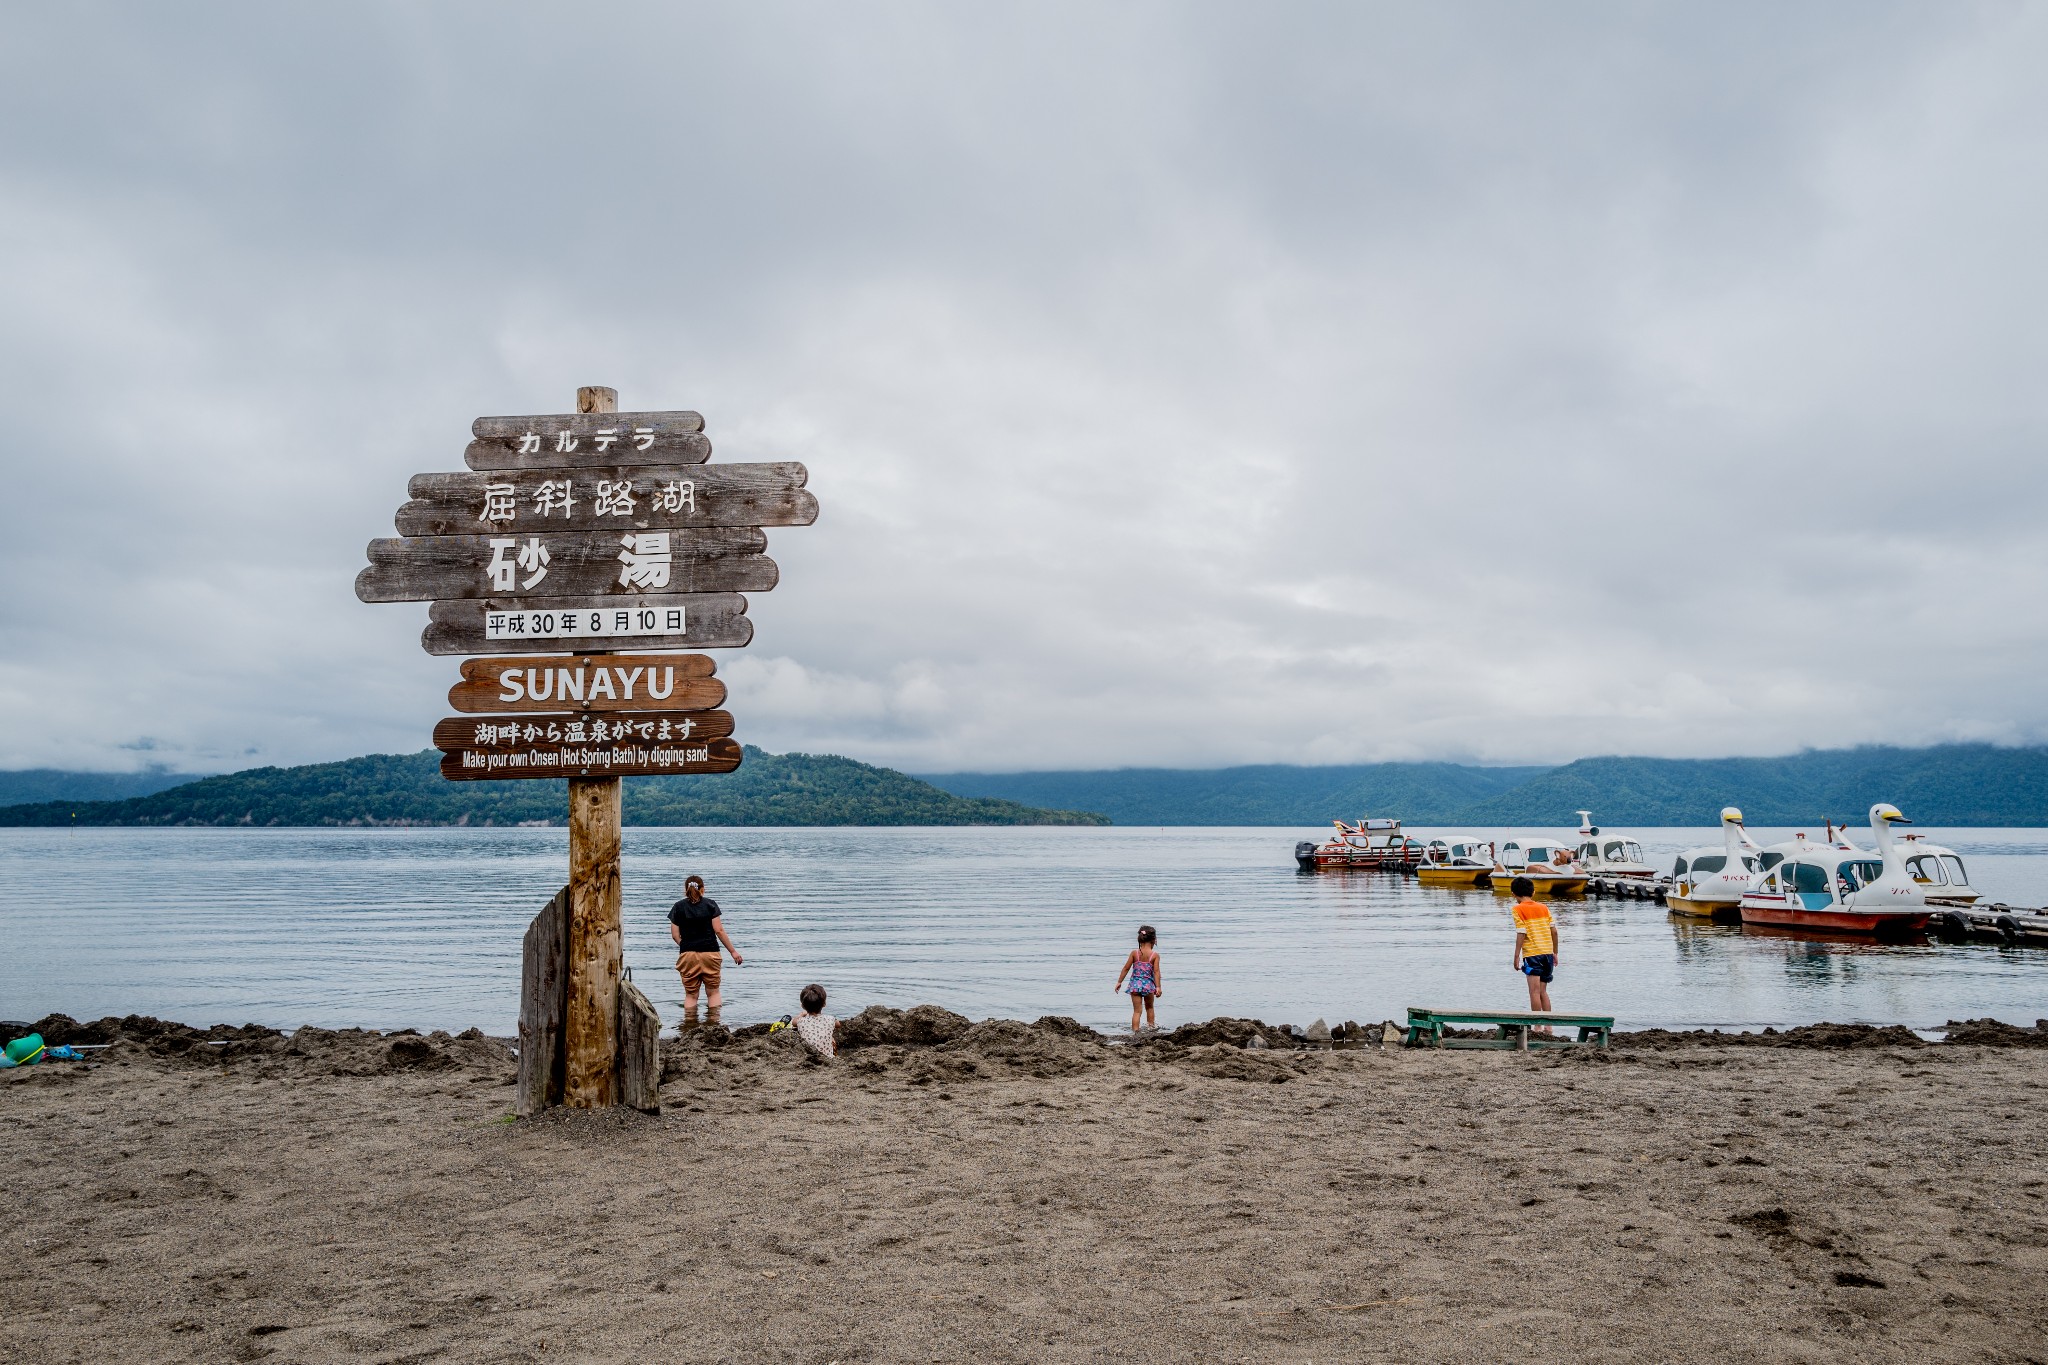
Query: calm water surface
point(392, 928)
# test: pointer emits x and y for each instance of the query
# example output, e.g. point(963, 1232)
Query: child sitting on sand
point(1535, 945)
point(1148, 981)
point(819, 1030)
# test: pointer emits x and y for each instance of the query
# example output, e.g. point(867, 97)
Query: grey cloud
point(1183, 384)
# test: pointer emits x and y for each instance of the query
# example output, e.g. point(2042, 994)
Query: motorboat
point(1940, 870)
point(1609, 855)
point(1547, 863)
point(1847, 890)
point(1708, 881)
point(1367, 844)
point(1455, 862)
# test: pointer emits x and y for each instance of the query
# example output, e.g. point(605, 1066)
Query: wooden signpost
point(594, 682)
point(549, 625)
point(569, 536)
point(609, 498)
point(578, 563)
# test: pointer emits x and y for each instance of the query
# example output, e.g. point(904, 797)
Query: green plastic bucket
point(25, 1049)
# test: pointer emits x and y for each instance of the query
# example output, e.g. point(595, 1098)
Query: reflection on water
point(421, 927)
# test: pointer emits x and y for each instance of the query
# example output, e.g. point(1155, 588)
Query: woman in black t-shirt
point(697, 929)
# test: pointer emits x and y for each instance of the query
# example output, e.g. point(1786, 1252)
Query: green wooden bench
point(1512, 1028)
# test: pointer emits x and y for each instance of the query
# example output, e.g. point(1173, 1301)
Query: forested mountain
point(1955, 784)
point(1262, 794)
point(56, 784)
point(408, 789)
point(1960, 784)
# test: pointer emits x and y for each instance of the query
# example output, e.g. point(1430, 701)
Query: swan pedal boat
point(1840, 887)
point(1547, 863)
point(1940, 870)
point(1708, 883)
point(1460, 862)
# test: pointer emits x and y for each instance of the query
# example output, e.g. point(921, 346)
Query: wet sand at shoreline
point(1026, 1192)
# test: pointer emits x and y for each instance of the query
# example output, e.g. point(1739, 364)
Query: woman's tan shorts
point(698, 969)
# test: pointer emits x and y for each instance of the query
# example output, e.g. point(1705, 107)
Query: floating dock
point(1998, 922)
point(2007, 925)
point(1995, 923)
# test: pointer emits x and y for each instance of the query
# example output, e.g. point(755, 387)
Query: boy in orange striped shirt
point(1535, 944)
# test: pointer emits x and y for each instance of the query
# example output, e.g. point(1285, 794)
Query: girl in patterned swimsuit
point(1148, 980)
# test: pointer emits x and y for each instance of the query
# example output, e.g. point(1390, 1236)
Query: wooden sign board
point(617, 499)
point(573, 564)
point(574, 439)
point(554, 625)
point(511, 734)
point(632, 758)
point(584, 682)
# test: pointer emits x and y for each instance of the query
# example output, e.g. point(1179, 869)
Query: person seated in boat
point(1535, 946)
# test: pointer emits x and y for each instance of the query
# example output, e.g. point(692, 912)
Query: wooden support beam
point(590, 1054)
point(639, 1073)
point(594, 943)
point(543, 990)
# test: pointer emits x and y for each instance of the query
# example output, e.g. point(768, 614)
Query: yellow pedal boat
point(1460, 862)
point(1454, 875)
point(1559, 883)
point(1685, 905)
point(1547, 863)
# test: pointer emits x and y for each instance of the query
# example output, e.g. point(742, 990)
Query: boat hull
point(1453, 876)
point(1697, 909)
point(1574, 885)
point(1839, 921)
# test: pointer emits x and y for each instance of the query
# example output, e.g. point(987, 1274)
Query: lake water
point(421, 928)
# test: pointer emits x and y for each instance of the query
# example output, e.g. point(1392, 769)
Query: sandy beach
point(1005, 1191)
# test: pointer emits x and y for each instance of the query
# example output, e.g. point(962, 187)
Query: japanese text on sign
point(638, 438)
point(601, 730)
point(647, 560)
point(610, 498)
point(609, 622)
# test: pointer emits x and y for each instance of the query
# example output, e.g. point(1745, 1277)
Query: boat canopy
point(1936, 867)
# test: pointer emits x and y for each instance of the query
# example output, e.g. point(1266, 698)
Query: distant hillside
point(1953, 784)
point(1960, 784)
point(1263, 794)
point(408, 789)
point(55, 784)
point(1956, 784)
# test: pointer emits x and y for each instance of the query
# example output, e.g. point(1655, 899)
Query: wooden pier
point(1998, 923)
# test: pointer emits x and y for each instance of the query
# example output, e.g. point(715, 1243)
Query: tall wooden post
point(592, 1018)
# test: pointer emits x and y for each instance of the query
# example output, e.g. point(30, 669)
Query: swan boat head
point(1727, 871)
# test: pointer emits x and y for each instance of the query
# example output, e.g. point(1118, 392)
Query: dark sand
point(1013, 1192)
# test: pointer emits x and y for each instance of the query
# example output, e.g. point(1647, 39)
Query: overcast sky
point(1182, 384)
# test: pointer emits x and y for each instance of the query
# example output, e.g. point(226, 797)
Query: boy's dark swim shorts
point(1540, 966)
